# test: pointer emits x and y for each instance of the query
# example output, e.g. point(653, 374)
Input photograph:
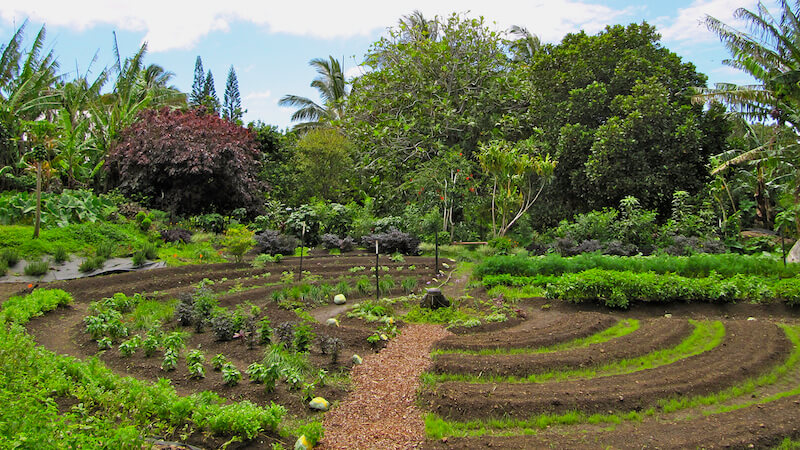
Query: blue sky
point(270, 43)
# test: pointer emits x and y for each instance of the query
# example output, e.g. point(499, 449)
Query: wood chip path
point(380, 412)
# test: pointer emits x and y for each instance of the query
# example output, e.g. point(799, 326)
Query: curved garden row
point(748, 349)
point(652, 335)
point(757, 426)
point(528, 334)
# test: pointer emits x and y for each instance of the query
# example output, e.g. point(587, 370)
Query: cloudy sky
point(269, 43)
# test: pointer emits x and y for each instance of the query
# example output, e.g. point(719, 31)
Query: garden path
point(381, 412)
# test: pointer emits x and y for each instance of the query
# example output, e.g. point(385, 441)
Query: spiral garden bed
point(559, 376)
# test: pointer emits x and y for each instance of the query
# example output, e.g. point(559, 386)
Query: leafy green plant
point(264, 331)
point(195, 356)
point(343, 287)
point(238, 240)
point(174, 341)
point(356, 269)
point(230, 374)
point(223, 325)
point(197, 370)
point(218, 361)
point(364, 285)
point(303, 336)
point(170, 361)
point(150, 343)
point(398, 257)
point(37, 268)
point(386, 284)
point(104, 343)
point(409, 285)
point(130, 346)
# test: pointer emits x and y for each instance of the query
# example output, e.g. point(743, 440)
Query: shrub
point(238, 240)
point(273, 242)
point(392, 241)
point(212, 223)
point(223, 325)
point(150, 344)
point(330, 241)
point(347, 244)
point(195, 356)
point(176, 235)
point(170, 156)
point(502, 245)
point(129, 347)
point(173, 341)
point(150, 250)
point(285, 334)
point(3, 267)
point(37, 268)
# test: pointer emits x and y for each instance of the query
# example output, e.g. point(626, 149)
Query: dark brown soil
point(748, 349)
point(63, 330)
point(758, 426)
point(652, 335)
point(533, 333)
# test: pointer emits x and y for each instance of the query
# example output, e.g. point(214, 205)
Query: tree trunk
point(38, 219)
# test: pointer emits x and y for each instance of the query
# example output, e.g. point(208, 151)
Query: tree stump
point(434, 299)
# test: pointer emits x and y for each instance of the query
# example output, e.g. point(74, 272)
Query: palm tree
point(770, 54)
point(523, 45)
point(26, 91)
point(332, 90)
point(415, 27)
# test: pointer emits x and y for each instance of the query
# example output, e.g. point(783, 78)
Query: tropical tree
point(232, 106)
point(27, 80)
point(523, 44)
point(519, 172)
point(196, 96)
point(768, 52)
point(333, 91)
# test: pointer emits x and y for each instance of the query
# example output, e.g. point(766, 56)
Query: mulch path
point(381, 412)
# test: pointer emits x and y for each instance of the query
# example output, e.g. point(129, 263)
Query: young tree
point(232, 108)
point(196, 97)
point(210, 99)
point(519, 173)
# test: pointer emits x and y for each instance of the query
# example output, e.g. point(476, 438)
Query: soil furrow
point(748, 349)
point(529, 334)
point(651, 336)
point(758, 426)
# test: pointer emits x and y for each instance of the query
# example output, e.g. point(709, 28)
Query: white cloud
point(689, 26)
point(263, 95)
point(180, 24)
point(355, 71)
